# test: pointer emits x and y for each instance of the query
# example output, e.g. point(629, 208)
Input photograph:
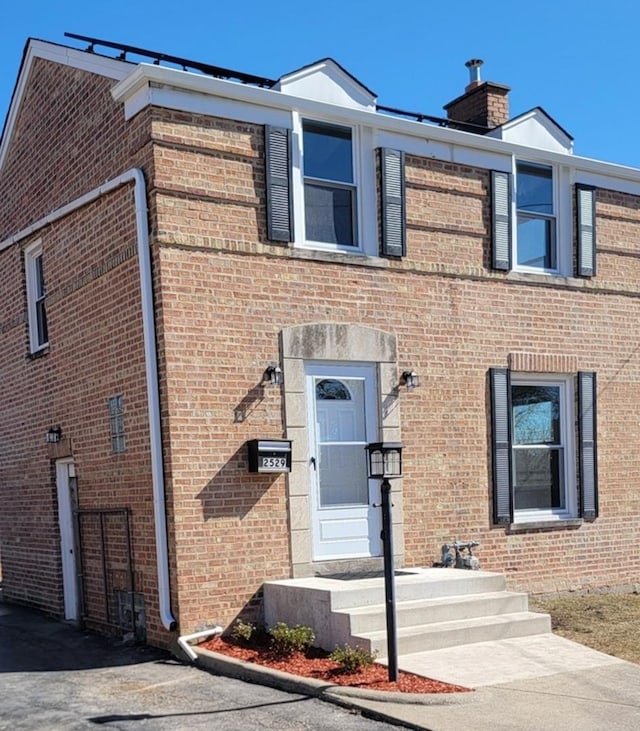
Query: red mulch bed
point(317, 664)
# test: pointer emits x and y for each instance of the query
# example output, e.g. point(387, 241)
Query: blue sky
point(575, 58)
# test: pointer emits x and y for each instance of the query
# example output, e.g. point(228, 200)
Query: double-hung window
point(541, 452)
point(329, 184)
point(36, 297)
point(536, 221)
point(327, 188)
point(543, 446)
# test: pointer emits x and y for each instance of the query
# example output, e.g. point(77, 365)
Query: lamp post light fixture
point(384, 462)
point(54, 435)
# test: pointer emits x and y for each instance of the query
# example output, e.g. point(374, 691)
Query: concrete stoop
point(435, 609)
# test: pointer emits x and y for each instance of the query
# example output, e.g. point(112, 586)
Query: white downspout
point(136, 176)
point(184, 640)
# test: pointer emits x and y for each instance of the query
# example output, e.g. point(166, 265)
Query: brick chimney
point(483, 103)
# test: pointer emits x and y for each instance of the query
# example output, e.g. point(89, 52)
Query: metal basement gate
point(106, 577)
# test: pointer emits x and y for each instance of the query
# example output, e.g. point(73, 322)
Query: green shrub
point(286, 640)
point(352, 659)
point(242, 631)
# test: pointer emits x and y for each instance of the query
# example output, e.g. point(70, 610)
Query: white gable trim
point(325, 81)
point(535, 129)
point(90, 62)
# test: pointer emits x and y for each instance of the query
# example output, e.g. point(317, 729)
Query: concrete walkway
point(539, 683)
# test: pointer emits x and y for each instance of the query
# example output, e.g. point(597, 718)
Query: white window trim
point(568, 440)
point(561, 180)
point(364, 172)
point(31, 253)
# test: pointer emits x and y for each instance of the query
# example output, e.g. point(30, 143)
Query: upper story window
point(329, 184)
point(542, 222)
point(325, 191)
point(536, 221)
point(36, 297)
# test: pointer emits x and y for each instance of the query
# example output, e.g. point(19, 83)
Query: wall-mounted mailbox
point(269, 455)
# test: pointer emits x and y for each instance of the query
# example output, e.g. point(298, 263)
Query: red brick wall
point(226, 296)
point(70, 137)
point(223, 295)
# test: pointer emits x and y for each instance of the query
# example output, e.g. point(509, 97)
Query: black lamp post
point(384, 463)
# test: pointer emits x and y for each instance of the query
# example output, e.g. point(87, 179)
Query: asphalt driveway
point(54, 677)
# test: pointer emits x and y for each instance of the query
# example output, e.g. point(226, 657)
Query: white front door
point(343, 419)
point(66, 502)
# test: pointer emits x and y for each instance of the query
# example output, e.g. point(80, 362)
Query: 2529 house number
point(274, 463)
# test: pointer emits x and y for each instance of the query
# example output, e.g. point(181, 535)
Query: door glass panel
point(329, 389)
point(341, 434)
point(343, 472)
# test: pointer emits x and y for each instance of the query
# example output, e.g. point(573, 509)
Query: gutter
point(135, 176)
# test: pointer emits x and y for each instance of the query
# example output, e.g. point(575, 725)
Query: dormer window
point(536, 221)
point(329, 184)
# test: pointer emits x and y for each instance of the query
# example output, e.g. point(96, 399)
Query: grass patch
point(606, 622)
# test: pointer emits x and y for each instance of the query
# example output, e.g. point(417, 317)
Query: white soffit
point(535, 129)
point(326, 81)
point(92, 63)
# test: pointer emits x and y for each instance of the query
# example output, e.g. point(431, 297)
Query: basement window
point(116, 424)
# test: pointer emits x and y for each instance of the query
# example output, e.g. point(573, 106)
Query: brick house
point(173, 241)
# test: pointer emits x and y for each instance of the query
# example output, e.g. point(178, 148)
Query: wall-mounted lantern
point(384, 462)
point(273, 376)
point(54, 435)
point(410, 379)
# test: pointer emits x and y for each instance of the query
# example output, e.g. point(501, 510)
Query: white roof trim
point(537, 125)
point(327, 81)
point(109, 67)
point(148, 76)
point(141, 82)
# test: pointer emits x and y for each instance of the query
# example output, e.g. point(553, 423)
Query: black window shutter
point(586, 230)
point(278, 179)
point(587, 445)
point(501, 444)
point(501, 220)
point(393, 203)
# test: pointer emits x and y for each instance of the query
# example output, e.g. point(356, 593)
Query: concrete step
point(435, 608)
point(410, 585)
point(426, 584)
point(428, 611)
point(421, 638)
